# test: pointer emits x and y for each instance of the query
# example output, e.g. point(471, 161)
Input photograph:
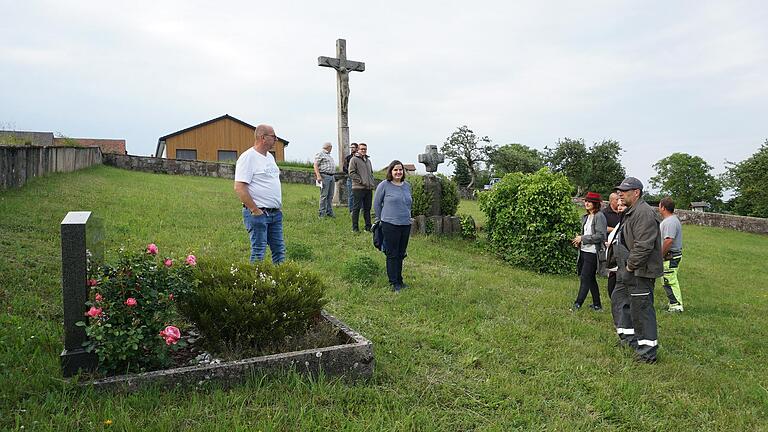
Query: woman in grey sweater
point(591, 243)
point(392, 206)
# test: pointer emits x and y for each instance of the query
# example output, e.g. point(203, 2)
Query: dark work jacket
point(642, 237)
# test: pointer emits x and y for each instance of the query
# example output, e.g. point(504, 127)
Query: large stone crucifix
point(343, 68)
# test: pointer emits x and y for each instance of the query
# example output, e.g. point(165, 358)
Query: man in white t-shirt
point(257, 184)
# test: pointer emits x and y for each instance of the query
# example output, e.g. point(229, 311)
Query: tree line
point(597, 167)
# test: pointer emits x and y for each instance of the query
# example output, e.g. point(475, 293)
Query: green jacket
point(361, 172)
point(641, 235)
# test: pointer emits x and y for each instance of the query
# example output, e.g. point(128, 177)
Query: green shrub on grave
point(530, 221)
point(468, 226)
point(449, 201)
point(252, 306)
point(360, 269)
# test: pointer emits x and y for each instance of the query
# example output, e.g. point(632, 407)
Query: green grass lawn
point(474, 344)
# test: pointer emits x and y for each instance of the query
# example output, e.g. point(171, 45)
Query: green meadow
point(473, 344)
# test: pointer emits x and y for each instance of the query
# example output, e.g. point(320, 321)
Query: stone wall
point(194, 168)
point(738, 223)
point(718, 220)
point(20, 164)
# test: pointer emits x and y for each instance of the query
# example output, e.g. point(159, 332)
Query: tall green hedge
point(530, 221)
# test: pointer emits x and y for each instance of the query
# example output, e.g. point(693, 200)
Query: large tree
point(596, 169)
point(749, 178)
point(605, 169)
point(515, 158)
point(463, 145)
point(686, 178)
point(461, 173)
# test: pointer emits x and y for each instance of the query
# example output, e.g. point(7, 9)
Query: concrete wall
point(194, 168)
point(20, 164)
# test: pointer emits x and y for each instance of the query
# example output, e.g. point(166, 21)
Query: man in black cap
point(633, 310)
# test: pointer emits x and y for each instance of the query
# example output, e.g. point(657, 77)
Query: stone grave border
point(353, 360)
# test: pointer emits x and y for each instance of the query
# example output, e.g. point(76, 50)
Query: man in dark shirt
point(345, 167)
point(612, 217)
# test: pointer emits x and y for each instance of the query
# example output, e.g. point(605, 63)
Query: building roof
point(409, 167)
point(161, 140)
point(43, 139)
point(700, 204)
point(116, 146)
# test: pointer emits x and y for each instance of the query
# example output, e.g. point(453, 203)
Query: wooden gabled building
point(224, 138)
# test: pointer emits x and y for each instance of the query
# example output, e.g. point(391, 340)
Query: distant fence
point(20, 164)
point(194, 168)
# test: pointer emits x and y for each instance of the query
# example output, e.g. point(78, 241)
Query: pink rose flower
point(152, 249)
point(191, 260)
point(92, 282)
point(131, 302)
point(170, 296)
point(168, 262)
point(94, 312)
point(171, 335)
point(99, 297)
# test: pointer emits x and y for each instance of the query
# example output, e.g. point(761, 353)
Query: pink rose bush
point(94, 312)
point(152, 249)
point(171, 335)
point(127, 322)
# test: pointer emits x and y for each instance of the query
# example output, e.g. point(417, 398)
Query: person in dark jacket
point(392, 206)
point(591, 244)
point(345, 167)
point(363, 184)
point(636, 276)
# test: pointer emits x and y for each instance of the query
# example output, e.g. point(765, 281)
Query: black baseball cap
point(630, 183)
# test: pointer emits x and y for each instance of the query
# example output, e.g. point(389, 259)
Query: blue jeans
point(262, 230)
point(351, 202)
point(326, 195)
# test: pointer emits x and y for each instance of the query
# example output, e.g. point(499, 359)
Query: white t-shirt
point(262, 175)
point(588, 231)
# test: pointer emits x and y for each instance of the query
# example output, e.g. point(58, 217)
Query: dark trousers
point(632, 304)
point(363, 199)
point(611, 283)
point(395, 244)
point(588, 278)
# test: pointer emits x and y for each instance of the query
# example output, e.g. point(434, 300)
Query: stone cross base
point(436, 225)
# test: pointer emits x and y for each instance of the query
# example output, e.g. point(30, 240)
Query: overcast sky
point(658, 76)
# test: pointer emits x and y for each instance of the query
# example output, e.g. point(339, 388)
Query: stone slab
point(352, 360)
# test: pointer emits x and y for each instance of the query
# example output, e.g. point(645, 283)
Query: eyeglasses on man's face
point(274, 137)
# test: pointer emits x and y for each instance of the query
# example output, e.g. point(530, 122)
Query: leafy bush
point(468, 226)
point(422, 199)
point(530, 221)
point(361, 269)
point(299, 252)
point(131, 308)
point(449, 202)
point(252, 305)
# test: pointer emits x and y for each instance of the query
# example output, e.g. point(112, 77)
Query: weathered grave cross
point(431, 158)
point(343, 68)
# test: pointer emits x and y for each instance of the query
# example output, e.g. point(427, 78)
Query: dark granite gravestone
point(82, 238)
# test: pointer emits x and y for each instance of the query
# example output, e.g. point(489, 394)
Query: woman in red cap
point(591, 256)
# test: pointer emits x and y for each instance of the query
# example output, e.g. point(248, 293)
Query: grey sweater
point(392, 203)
